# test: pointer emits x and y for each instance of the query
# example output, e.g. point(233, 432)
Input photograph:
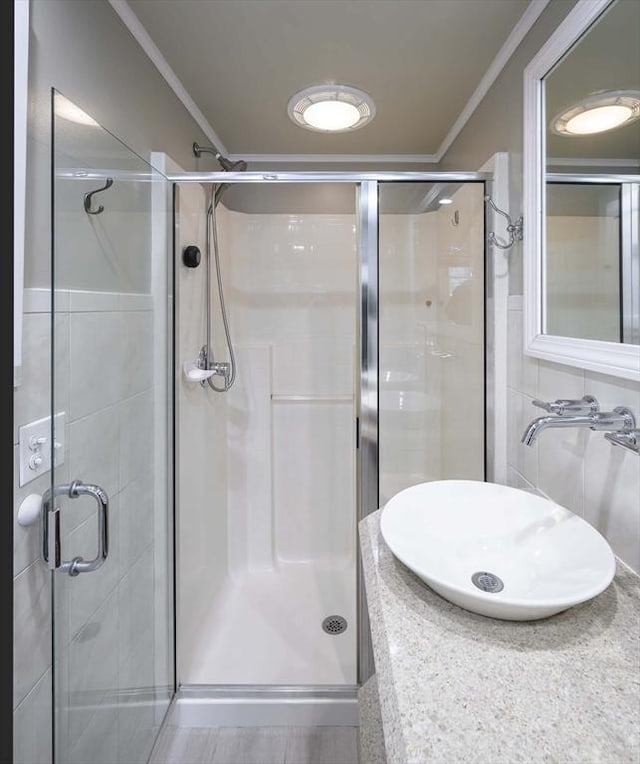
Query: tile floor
point(257, 745)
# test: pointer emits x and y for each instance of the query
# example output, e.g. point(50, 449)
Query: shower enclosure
point(356, 308)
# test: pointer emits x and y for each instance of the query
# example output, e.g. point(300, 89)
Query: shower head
point(229, 166)
point(226, 164)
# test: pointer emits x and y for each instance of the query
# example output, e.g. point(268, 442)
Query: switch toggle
point(35, 447)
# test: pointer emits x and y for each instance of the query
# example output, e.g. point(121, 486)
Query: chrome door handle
point(51, 528)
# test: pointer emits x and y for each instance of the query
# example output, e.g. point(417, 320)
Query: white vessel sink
point(497, 551)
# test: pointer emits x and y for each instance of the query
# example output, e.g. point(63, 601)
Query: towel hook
point(89, 196)
point(513, 229)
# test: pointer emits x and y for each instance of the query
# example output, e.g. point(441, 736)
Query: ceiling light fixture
point(598, 113)
point(445, 200)
point(331, 108)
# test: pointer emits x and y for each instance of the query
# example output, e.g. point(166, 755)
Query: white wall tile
point(557, 381)
point(92, 667)
point(136, 437)
point(561, 466)
point(575, 467)
point(137, 368)
point(135, 520)
point(135, 638)
point(31, 628)
point(96, 362)
point(612, 497)
point(524, 459)
point(32, 739)
point(93, 449)
point(32, 398)
point(522, 370)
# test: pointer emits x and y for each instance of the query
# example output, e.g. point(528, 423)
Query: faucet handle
point(586, 405)
point(551, 407)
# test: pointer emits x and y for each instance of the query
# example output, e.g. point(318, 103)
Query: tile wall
point(577, 468)
point(104, 620)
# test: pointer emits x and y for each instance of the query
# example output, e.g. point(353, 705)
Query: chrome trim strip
point(326, 177)
point(267, 690)
point(490, 437)
point(562, 177)
point(630, 262)
point(268, 706)
point(367, 490)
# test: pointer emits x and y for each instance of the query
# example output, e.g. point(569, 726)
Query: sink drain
point(488, 582)
point(334, 624)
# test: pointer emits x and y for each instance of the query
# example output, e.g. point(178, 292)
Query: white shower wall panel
point(314, 491)
point(201, 451)
point(249, 454)
point(292, 285)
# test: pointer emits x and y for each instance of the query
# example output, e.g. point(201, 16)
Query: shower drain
point(334, 624)
point(488, 582)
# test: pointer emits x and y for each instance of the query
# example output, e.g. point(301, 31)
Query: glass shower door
point(431, 334)
point(108, 525)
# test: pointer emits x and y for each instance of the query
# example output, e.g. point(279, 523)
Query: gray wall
point(82, 49)
point(497, 125)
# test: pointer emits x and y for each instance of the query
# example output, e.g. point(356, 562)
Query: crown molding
point(134, 25)
point(527, 20)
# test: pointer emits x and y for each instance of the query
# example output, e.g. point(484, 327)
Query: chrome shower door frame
point(367, 409)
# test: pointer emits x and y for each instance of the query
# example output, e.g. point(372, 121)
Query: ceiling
point(241, 60)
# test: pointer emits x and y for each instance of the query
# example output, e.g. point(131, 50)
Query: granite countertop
point(460, 687)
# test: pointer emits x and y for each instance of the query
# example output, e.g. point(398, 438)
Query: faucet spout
point(545, 422)
point(620, 420)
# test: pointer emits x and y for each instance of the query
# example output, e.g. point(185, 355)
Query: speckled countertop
point(459, 687)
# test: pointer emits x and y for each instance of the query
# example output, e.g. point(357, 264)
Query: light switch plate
point(35, 447)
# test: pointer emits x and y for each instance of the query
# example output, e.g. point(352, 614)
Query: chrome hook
point(513, 229)
point(88, 197)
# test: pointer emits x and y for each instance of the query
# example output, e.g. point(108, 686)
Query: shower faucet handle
point(585, 405)
point(222, 369)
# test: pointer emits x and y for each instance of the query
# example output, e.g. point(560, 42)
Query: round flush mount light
point(445, 200)
point(331, 108)
point(598, 113)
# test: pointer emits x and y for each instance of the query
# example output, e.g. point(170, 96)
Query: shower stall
point(356, 308)
point(203, 542)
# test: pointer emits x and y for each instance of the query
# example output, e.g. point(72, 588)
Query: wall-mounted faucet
point(583, 413)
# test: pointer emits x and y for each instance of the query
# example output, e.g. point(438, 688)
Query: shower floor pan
point(266, 629)
point(261, 647)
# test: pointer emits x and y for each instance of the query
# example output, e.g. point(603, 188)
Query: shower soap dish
point(193, 373)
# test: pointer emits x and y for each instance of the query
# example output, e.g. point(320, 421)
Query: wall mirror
point(582, 191)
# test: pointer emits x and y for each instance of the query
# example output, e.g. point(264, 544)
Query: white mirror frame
point(616, 359)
